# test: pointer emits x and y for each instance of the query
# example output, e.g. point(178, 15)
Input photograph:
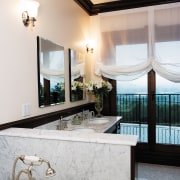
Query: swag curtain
point(135, 41)
point(52, 66)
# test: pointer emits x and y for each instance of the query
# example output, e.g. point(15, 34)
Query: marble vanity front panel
point(72, 159)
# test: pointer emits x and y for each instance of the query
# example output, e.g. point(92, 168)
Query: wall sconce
point(90, 44)
point(89, 49)
point(29, 14)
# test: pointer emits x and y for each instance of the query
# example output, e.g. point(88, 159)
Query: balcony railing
point(133, 108)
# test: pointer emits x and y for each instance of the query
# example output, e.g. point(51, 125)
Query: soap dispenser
point(76, 120)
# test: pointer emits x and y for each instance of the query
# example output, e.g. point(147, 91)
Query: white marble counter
point(101, 128)
point(129, 140)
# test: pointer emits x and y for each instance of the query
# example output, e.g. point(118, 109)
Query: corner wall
point(63, 22)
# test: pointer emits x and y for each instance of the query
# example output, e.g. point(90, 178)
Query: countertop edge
point(128, 140)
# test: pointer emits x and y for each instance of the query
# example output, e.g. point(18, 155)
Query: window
point(124, 57)
point(133, 43)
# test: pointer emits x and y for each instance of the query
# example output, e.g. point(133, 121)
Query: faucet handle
point(91, 114)
point(61, 123)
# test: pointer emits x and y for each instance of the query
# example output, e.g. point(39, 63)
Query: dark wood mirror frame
point(51, 89)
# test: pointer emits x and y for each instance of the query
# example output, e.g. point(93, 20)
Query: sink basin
point(98, 121)
point(89, 130)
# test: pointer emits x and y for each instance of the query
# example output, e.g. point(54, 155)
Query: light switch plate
point(26, 110)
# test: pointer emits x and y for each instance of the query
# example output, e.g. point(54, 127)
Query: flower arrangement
point(99, 88)
point(77, 86)
point(77, 90)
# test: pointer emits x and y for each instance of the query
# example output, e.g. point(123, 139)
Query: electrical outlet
point(26, 110)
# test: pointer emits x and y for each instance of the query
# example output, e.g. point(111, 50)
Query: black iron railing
point(168, 109)
point(133, 108)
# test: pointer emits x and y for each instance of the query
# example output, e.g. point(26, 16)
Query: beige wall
point(61, 21)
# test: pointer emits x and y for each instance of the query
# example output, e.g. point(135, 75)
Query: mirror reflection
point(76, 70)
point(50, 72)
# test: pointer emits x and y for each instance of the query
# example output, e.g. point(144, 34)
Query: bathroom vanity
point(104, 124)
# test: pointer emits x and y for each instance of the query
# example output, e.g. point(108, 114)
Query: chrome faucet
point(31, 161)
point(83, 118)
point(84, 115)
point(62, 124)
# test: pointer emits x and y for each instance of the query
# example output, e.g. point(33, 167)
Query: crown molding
point(87, 5)
point(94, 9)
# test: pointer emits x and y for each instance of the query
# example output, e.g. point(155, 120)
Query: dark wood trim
point(151, 109)
point(70, 92)
point(112, 98)
point(46, 118)
point(109, 102)
point(38, 69)
point(132, 163)
point(87, 5)
point(94, 9)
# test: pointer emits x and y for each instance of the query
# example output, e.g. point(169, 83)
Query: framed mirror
point(76, 75)
point(50, 58)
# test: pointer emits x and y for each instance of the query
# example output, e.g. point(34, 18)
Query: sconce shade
point(30, 11)
point(31, 7)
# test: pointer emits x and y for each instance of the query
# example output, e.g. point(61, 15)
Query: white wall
point(61, 21)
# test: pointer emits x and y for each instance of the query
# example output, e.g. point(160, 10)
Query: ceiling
point(93, 7)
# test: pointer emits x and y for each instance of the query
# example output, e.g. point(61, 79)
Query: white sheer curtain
point(48, 73)
point(167, 43)
point(135, 41)
point(77, 71)
point(52, 66)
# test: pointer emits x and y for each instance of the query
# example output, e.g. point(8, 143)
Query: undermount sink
point(89, 130)
point(98, 121)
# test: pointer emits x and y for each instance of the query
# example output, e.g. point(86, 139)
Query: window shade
point(135, 41)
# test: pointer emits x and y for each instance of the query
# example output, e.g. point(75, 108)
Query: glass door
point(167, 111)
point(132, 105)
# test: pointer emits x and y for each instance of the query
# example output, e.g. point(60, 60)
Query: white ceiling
point(101, 1)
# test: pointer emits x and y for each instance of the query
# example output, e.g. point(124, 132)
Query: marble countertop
point(129, 140)
point(100, 128)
